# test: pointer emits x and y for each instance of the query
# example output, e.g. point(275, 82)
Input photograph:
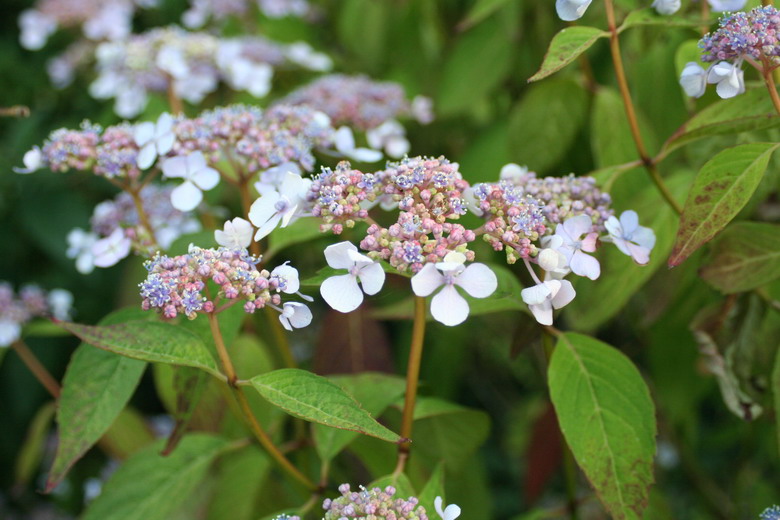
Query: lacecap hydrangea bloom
point(380, 504)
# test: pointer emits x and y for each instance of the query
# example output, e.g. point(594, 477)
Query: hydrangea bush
point(372, 271)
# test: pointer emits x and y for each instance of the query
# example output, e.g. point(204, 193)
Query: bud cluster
point(373, 504)
point(339, 196)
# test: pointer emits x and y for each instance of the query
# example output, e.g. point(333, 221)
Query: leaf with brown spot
point(722, 188)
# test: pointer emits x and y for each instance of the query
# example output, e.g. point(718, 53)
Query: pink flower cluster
point(72, 149)
point(753, 34)
point(372, 504)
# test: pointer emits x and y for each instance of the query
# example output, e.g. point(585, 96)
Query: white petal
point(543, 312)
point(263, 208)
point(641, 255)
point(175, 167)
point(728, 88)
point(301, 316)
point(478, 280)
point(294, 186)
point(513, 172)
point(449, 307)
point(146, 155)
point(450, 513)
point(206, 178)
point(165, 143)
point(186, 197)
point(426, 280)
point(644, 236)
point(372, 277)
point(337, 255)
point(577, 226)
point(613, 227)
point(364, 155)
point(265, 229)
point(344, 140)
point(564, 295)
point(570, 10)
point(585, 265)
point(290, 275)
point(285, 322)
point(342, 292)
point(288, 214)
point(539, 293)
point(359, 258)
point(629, 220)
point(143, 133)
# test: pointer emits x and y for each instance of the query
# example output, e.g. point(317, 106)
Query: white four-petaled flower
point(574, 247)
point(729, 78)
point(546, 296)
point(342, 292)
point(155, 139)
point(275, 207)
point(288, 281)
point(197, 176)
point(451, 512)
point(448, 306)
point(693, 79)
point(236, 233)
point(110, 250)
point(295, 315)
point(33, 160)
point(632, 239)
point(80, 247)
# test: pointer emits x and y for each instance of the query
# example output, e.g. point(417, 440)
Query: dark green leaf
point(31, 453)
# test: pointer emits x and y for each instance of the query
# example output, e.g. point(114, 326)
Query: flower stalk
point(36, 367)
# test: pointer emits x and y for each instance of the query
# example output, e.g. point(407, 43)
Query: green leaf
point(375, 392)
point(607, 417)
point(31, 453)
point(314, 398)
point(477, 64)
point(188, 384)
point(750, 111)
point(149, 341)
point(611, 139)
point(478, 12)
point(745, 255)
point(433, 488)
point(722, 187)
point(649, 16)
point(548, 118)
point(149, 486)
point(776, 395)
point(95, 389)
point(565, 47)
point(403, 486)
point(239, 482)
point(42, 328)
point(303, 230)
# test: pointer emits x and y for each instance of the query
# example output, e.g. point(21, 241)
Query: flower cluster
point(31, 302)
point(339, 196)
point(116, 229)
point(98, 19)
point(366, 105)
point(201, 11)
point(771, 513)
point(373, 504)
point(751, 37)
point(191, 65)
point(176, 285)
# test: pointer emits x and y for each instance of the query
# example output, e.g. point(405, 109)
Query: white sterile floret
point(451, 512)
point(448, 306)
point(236, 233)
point(197, 176)
point(570, 10)
point(513, 172)
point(666, 7)
point(32, 160)
point(342, 292)
point(272, 178)
point(422, 109)
point(390, 136)
point(130, 100)
point(110, 250)
point(60, 302)
point(295, 315)
point(172, 61)
point(112, 22)
point(546, 296)
point(154, 139)
point(730, 79)
point(632, 239)
point(80, 247)
point(287, 280)
point(345, 145)
point(278, 207)
point(304, 55)
point(551, 259)
point(195, 86)
point(36, 28)
point(574, 247)
point(693, 79)
point(723, 6)
point(10, 331)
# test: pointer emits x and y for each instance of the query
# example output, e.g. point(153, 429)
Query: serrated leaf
point(149, 341)
point(745, 255)
point(750, 111)
point(302, 230)
point(565, 47)
point(548, 118)
point(374, 391)
point(608, 420)
point(649, 16)
point(149, 486)
point(722, 187)
point(95, 389)
point(314, 398)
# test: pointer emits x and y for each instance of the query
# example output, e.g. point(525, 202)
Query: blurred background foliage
point(503, 453)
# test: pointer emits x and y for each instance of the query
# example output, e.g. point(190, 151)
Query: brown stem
point(633, 122)
point(705, 17)
point(412, 380)
point(38, 370)
point(281, 338)
point(246, 205)
point(262, 437)
point(135, 193)
point(173, 100)
point(770, 86)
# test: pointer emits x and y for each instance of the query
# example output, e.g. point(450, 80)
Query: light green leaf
point(302, 230)
point(375, 392)
point(722, 187)
point(750, 111)
point(611, 139)
point(96, 387)
point(480, 60)
point(314, 398)
point(608, 420)
point(149, 341)
point(239, 481)
point(548, 118)
point(649, 16)
point(149, 486)
point(745, 255)
point(565, 47)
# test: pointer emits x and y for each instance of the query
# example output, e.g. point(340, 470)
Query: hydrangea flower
point(197, 176)
point(277, 208)
point(390, 136)
point(448, 306)
point(342, 292)
point(574, 247)
point(730, 79)
point(80, 244)
point(286, 279)
point(295, 316)
point(543, 297)
point(236, 233)
point(451, 512)
point(693, 79)
point(345, 145)
point(154, 139)
point(632, 239)
point(272, 178)
point(771, 513)
point(110, 250)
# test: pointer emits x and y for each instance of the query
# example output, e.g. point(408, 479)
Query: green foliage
point(566, 47)
point(722, 187)
point(608, 419)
